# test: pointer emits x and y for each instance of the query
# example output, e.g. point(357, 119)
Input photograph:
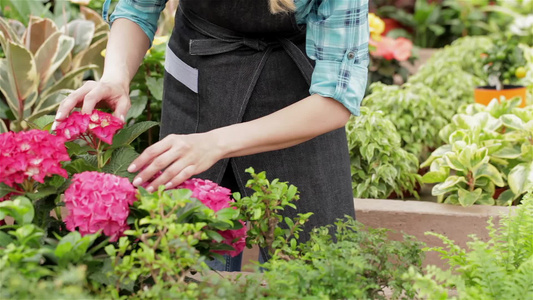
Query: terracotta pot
point(485, 94)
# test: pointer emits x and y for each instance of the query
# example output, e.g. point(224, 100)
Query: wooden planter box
point(417, 217)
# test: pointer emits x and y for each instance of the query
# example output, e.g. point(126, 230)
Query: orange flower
point(388, 48)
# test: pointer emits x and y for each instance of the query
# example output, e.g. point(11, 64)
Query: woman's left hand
point(178, 156)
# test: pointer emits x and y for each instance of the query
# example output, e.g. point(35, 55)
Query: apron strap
point(224, 40)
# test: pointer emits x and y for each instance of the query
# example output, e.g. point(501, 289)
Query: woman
point(239, 92)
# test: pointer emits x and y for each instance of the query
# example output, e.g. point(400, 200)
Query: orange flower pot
point(485, 94)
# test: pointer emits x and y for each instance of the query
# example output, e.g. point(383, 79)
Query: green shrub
point(378, 164)
point(358, 265)
point(417, 112)
point(501, 268)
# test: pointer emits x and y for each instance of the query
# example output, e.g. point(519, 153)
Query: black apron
point(231, 61)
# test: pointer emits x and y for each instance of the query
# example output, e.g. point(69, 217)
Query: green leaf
point(506, 197)
point(435, 176)
point(491, 172)
point(42, 122)
point(72, 248)
point(42, 192)
point(20, 208)
point(452, 183)
point(129, 134)
point(78, 166)
point(71, 80)
point(227, 214)
point(508, 152)
point(138, 105)
point(468, 198)
point(452, 160)
point(119, 162)
point(156, 87)
point(3, 127)
point(82, 31)
point(513, 122)
point(5, 239)
point(22, 77)
point(521, 178)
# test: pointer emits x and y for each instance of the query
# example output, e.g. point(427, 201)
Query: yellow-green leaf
point(22, 70)
point(491, 172)
point(521, 178)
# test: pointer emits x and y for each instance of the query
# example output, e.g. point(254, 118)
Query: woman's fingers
point(178, 157)
point(149, 161)
point(72, 100)
point(185, 174)
point(174, 175)
point(93, 97)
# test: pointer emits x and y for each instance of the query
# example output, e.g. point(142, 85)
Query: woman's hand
point(94, 93)
point(126, 47)
point(179, 157)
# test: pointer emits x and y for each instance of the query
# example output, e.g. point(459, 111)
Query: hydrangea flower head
point(33, 154)
point(235, 238)
point(209, 193)
point(216, 198)
point(104, 125)
point(97, 124)
point(99, 201)
point(73, 126)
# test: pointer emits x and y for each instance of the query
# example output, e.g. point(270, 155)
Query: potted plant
point(505, 64)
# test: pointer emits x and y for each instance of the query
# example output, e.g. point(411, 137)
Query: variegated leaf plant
point(43, 63)
point(488, 147)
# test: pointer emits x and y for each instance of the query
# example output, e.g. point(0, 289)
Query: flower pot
point(485, 94)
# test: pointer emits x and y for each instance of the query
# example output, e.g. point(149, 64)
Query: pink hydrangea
point(104, 125)
point(73, 126)
point(234, 238)
point(209, 193)
point(98, 124)
point(33, 154)
point(99, 201)
point(216, 198)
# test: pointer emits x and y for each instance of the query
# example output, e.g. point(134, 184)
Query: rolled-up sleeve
point(337, 39)
point(144, 13)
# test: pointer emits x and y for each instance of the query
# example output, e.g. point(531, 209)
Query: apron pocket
point(181, 71)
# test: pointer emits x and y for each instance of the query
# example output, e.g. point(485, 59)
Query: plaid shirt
point(337, 39)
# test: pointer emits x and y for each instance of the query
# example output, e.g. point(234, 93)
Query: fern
point(501, 268)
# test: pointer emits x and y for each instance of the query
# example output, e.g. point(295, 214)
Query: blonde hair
point(278, 6)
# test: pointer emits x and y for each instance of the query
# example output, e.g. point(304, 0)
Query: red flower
point(388, 48)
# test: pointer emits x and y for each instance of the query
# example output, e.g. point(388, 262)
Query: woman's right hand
point(93, 94)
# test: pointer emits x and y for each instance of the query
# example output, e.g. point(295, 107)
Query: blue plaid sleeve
point(143, 12)
point(337, 39)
